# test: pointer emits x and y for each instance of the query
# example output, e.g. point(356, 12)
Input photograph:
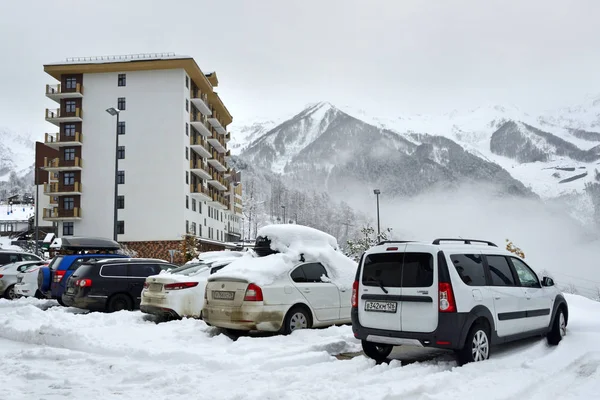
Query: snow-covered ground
point(50, 352)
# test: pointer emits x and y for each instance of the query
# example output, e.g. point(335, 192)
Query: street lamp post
point(284, 221)
point(115, 112)
point(377, 193)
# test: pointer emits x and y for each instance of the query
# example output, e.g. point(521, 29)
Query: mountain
point(16, 163)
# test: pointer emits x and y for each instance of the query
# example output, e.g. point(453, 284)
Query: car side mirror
point(547, 281)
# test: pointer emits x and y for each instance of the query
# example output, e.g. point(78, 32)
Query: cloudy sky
point(272, 57)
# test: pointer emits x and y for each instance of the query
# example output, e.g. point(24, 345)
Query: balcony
point(237, 210)
point(201, 126)
point(56, 164)
point(218, 143)
point(56, 189)
point(200, 192)
point(59, 214)
point(218, 182)
point(200, 146)
point(199, 169)
point(218, 201)
point(227, 155)
point(57, 116)
point(58, 92)
point(57, 140)
point(227, 137)
point(217, 125)
point(218, 162)
point(200, 100)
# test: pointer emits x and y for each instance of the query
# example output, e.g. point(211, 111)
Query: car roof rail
point(465, 241)
point(394, 241)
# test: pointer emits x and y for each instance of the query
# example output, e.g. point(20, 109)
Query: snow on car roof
point(292, 244)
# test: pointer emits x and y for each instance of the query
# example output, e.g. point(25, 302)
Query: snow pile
point(292, 242)
point(211, 255)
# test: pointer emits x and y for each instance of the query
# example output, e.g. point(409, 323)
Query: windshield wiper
point(379, 282)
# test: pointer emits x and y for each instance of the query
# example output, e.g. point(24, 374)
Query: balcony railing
point(57, 163)
point(200, 146)
point(60, 213)
point(57, 113)
point(199, 122)
point(199, 189)
point(57, 139)
point(61, 91)
point(200, 100)
point(55, 188)
point(238, 210)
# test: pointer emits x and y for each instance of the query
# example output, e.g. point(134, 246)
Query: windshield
point(194, 270)
point(55, 262)
point(185, 267)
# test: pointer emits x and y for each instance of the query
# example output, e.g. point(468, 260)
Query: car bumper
point(25, 289)
point(159, 311)
point(446, 336)
point(179, 303)
point(245, 317)
point(85, 302)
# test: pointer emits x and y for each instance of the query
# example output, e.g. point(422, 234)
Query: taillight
point(253, 293)
point(180, 285)
point(391, 249)
point(146, 285)
point(1, 275)
point(447, 303)
point(58, 275)
point(83, 282)
point(355, 294)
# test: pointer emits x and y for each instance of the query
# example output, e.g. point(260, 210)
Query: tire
point(9, 293)
point(297, 318)
point(377, 351)
point(62, 303)
point(39, 295)
point(44, 279)
point(119, 302)
point(477, 345)
point(559, 328)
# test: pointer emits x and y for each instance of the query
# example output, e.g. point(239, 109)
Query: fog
point(552, 240)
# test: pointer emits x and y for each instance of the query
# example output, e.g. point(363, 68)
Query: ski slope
point(52, 352)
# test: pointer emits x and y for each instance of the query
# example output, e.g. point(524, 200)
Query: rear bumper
point(446, 336)
point(159, 311)
point(245, 317)
point(25, 289)
point(85, 302)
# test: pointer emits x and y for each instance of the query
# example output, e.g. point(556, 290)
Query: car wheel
point(62, 303)
point(119, 302)
point(297, 318)
point(9, 293)
point(377, 351)
point(559, 328)
point(477, 346)
point(39, 295)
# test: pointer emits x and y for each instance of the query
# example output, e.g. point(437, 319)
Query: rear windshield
point(83, 270)
point(398, 270)
point(55, 262)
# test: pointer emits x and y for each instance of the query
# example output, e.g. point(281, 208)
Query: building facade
point(172, 158)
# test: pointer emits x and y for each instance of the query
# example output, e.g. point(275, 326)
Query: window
point(69, 178)
point(193, 204)
point(187, 201)
point(121, 128)
point(121, 227)
point(298, 276)
point(200, 230)
point(187, 177)
point(200, 210)
point(121, 152)
point(417, 270)
point(67, 229)
point(68, 203)
point(186, 154)
point(70, 106)
point(69, 130)
point(313, 272)
point(122, 80)
point(187, 105)
point(470, 268)
point(121, 103)
point(187, 82)
point(71, 83)
point(194, 228)
point(119, 270)
point(500, 271)
point(526, 276)
point(187, 129)
point(69, 154)
point(187, 226)
point(29, 257)
point(120, 202)
point(121, 177)
point(142, 270)
point(398, 270)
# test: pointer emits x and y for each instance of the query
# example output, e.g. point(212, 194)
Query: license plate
point(70, 289)
point(222, 295)
point(155, 287)
point(381, 306)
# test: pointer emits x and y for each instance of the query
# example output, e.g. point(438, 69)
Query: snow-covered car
point(180, 292)
point(213, 255)
point(27, 281)
point(8, 276)
point(295, 278)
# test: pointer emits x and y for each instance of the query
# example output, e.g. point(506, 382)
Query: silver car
point(8, 277)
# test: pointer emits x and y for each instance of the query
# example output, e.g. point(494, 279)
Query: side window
point(417, 270)
point(470, 268)
point(215, 269)
point(15, 258)
point(143, 270)
point(314, 272)
point(526, 276)
point(4, 259)
point(500, 271)
point(114, 270)
point(30, 257)
point(298, 276)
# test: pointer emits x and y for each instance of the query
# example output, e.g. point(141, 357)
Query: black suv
point(111, 284)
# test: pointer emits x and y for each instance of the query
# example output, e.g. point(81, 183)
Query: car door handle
point(306, 290)
point(497, 298)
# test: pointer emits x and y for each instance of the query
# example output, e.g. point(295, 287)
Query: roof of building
point(120, 58)
point(16, 212)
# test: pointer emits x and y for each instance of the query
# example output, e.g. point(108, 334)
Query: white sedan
point(8, 277)
point(179, 293)
point(295, 279)
point(27, 281)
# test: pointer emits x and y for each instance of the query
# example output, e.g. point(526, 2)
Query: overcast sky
point(272, 57)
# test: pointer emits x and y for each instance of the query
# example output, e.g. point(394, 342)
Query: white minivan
point(458, 294)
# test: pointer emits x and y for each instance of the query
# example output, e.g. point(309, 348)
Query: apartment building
point(166, 133)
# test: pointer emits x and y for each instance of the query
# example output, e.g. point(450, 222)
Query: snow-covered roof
point(284, 236)
point(16, 212)
point(120, 58)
